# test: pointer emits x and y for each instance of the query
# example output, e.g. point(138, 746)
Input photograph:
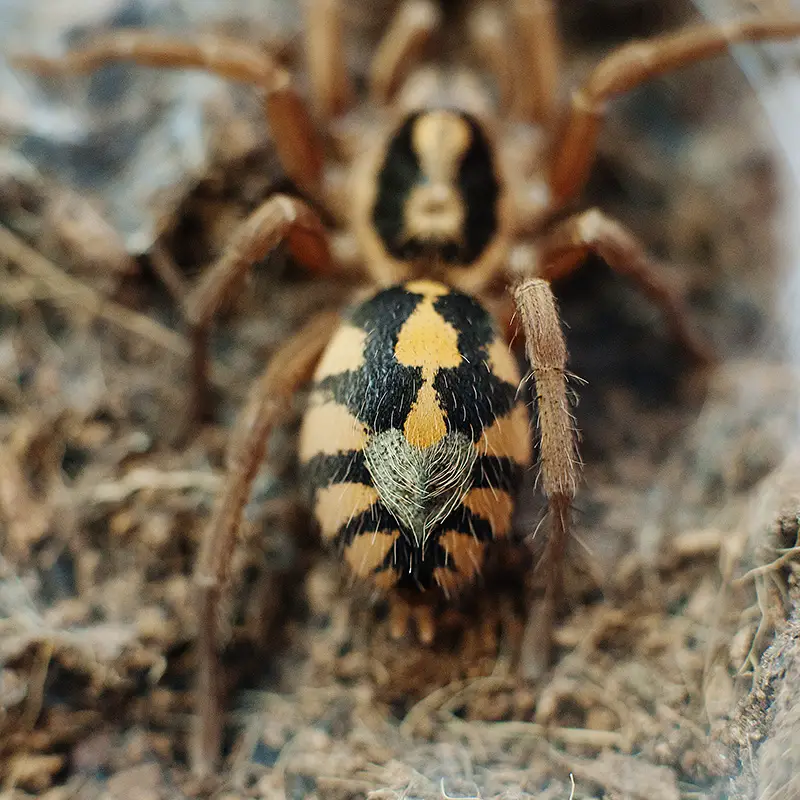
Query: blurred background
point(115, 184)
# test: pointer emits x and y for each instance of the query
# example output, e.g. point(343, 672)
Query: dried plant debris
point(764, 732)
point(682, 573)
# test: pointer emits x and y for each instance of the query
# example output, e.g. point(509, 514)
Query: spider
point(441, 191)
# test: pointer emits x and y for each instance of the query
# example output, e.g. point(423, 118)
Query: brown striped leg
point(547, 354)
point(279, 218)
point(568, 244)
point(331, 88)
point(268, 401)
point(409, 31)
point(632, 65)
point(538, 68)
point(296, 139)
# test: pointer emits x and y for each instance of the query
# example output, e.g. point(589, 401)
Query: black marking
point(376, 519)
point(471, 394)
point(476, 329)
point(477, 183)
point(380, 393)
point(465, 521)
point(492, 472)
point(414, 564)
point(398, 174)
point(480, 189)
point(415, 572)
point(324, 470)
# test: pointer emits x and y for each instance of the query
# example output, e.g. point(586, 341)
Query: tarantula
point(441, 190)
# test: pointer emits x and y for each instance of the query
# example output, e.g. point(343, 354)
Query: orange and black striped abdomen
point(415, 439)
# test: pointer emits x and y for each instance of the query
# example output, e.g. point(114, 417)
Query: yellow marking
point(330, 428)
point(367, 551)
point(337, 504)
point(434, 209)
point(493, 505)
point(502, 363)
point(426, 287)
point(508, 437)
point(385, 579)
point(344, 353)
point(467, 555)
point(427, 340)
point(440, 140)
point(425, 425)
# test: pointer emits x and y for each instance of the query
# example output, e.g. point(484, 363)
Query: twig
point(764, 569)
point(36, 686)
point(168, 272)
point(431, 703)
point(146, 478)
point(446, 796)
point(72, 294)
point(585, 737)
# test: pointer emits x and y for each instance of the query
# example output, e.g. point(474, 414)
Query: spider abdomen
point(415, 438)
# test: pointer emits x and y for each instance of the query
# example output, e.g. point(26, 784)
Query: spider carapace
point(415, 438)
point(416, 434)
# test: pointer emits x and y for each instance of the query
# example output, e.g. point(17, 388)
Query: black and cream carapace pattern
point(474, 180)
point(415, 438)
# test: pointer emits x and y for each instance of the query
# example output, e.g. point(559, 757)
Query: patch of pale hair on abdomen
point(420, 487)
